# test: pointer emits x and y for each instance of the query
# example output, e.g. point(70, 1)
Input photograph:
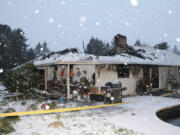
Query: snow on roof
point(152, 57)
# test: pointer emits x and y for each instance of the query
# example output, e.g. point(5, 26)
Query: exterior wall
point(111, 76)
point(164, 72)
point(102, 76)
point(50, 74)
point(163, 77)
point(174, 71)
point(90, 69)
point(107, 75)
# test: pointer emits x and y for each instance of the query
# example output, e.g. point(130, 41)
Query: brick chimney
point(120, 43)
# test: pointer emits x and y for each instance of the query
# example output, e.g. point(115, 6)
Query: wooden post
point(68, 82)
point(46, 78)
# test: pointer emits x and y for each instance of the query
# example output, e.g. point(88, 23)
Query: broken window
point(122, 71)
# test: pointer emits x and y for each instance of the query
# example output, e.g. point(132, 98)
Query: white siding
point(90, 69)
point(111, 76)
point(163, 77)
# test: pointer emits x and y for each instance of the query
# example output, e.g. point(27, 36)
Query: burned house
point(129, 65)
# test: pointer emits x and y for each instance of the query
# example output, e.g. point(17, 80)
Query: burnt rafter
point(63, 52)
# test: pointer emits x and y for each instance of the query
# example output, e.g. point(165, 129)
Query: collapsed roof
point(141, 55)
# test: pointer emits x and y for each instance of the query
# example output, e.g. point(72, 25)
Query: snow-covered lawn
point(136, 118)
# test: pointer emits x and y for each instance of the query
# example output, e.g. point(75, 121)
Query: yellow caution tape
point(58, 110)
point(68, 109)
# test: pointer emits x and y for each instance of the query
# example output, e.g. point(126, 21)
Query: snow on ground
point(136, 118)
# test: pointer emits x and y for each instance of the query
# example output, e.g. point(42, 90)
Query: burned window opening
point(123, 71)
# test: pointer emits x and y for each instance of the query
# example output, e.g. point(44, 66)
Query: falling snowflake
point(127, 23)
point(83, 19)
point(22, 33)
point(42, 49)
point(40, 0)
point(81, 24)
point(110, 22)
point(36, 11)
point(47, 107)
point(84, 28)
point(134, 2)
point(97, 23)
point(63, 2)
point(170, 11)
point(10, 4)
point(74, 26)
point(1, 70)
point(177, 39)
point(59, 25)
point(165, 35)
point(51, 20)
point(25, 17)
point(55, 42)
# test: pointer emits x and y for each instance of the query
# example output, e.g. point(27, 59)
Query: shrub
point(13, 119)
point(5, 123)
point(33, 106)
point(23, 103)
point(23, 79)
point(5, 126)
point(52, 105)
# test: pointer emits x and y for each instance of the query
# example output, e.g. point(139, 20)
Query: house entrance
point(155, 77)
point(42, 79)
point(146, 76)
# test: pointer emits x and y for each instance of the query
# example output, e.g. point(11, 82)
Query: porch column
point(68, 82)
point(46, 77)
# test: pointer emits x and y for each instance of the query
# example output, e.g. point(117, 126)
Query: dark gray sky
point(66, 23)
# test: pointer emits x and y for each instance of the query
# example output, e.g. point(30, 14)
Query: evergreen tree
point(138, 43)
point(31, 54)
point(23, 79)
point(41, 49)
point(13, 48)
point(162, 46)
point(175, 50)
point(97, 47)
